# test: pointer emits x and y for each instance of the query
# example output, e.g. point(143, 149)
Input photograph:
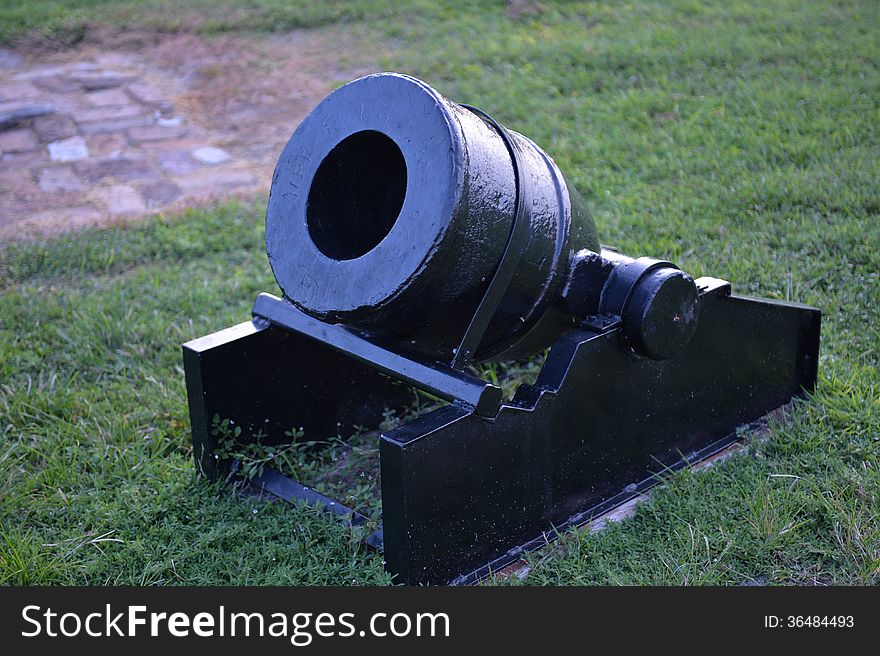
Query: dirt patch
point(96, 135)
point(254, 92)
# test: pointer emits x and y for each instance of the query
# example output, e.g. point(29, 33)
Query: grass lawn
point(740, 139)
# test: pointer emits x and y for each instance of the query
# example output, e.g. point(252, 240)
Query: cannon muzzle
point(391, 209)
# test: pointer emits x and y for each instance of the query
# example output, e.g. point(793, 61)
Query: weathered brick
point(17, 189)
point(159, 193)
point(122, 199)
point(129, 150)
point(10, 60)
point(145, 92)
point(9, 180)
point(156, 133)
point(177, 162)
point(39, 72)
point(108, 144)
point(68, 150)
point(18, 141)
point(85, 66)
point(212, 181)
point(59, 179)
point(60, 198)
point(108, 97)
point(211, 155)
point(187, 143)
point(109, 113)
point(120, 168)
point(54, 127)
point(13, 91)
point(57, 83)
point(118, 125)
point(97, 80)
point(69, 103)
point(117, 59)
point(19, 160)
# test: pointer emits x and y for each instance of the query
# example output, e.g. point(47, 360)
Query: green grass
point(66, 22)
point(740, 139)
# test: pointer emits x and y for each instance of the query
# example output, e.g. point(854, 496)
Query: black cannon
point(412, 237)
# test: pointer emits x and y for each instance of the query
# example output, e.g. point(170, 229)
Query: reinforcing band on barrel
point(513, 252)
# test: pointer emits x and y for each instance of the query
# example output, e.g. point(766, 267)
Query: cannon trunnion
point(411, 237)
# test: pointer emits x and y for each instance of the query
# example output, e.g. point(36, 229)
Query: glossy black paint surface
point(661, 315)
point(463, 491)
point(437, 379)
point(420, 284)
point(271, 380)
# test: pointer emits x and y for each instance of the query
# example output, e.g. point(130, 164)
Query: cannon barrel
point(392, 208)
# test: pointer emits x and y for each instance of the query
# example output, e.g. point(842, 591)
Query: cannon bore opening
point(356, 195)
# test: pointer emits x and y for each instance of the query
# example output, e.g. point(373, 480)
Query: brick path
point(100, 140)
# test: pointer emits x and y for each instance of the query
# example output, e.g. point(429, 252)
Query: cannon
point(412, 237)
